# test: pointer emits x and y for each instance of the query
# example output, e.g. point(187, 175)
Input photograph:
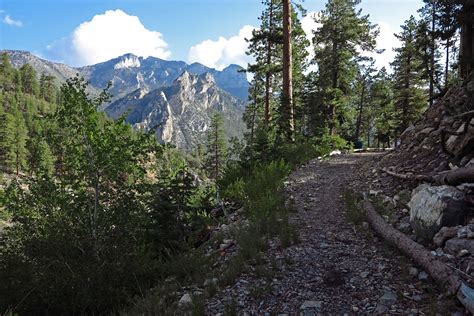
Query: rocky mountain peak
point(208, 78)
point(186, 80)
point(128, 61)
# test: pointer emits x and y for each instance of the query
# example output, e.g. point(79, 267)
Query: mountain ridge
point(129, 72)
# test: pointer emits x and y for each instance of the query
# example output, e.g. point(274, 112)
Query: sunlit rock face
point(181, 112)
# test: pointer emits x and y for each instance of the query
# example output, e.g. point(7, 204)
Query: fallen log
point(441, 273)
point(452, 177)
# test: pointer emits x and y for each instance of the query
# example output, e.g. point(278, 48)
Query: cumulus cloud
point(107, 36)
point(224, 51)
point(10, 21)
point(386, 41)
point(309, 25)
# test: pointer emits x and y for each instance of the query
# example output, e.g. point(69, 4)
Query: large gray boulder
point(433, 207)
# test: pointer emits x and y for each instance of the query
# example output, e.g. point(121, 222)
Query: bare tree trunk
point(452, 177)
point(437, 269)
point(466, 55)
point(446, 66)
point(359, 116)
point(288, 68)
point(254, 114)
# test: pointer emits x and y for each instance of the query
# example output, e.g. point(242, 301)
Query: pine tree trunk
point(288, 68)
point(437, 269)
point(446, 66)
point(432, 53)
point(466, 55)
point(359, 116)
point(268, 75)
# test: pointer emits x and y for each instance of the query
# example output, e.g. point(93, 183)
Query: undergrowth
point(354, 211)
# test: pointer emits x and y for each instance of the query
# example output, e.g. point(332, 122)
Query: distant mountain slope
point(61, 71)
point(181, 112)
point(129, 72)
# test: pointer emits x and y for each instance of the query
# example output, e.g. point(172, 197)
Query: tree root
point(452, 177)
point(441, 273)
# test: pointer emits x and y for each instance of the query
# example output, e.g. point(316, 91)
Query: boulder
point(432, 207)
point(454, 246)
point(186, 299)
point(444, 234)
point(460, 145)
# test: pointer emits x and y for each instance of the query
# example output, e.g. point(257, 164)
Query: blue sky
point(212, 32)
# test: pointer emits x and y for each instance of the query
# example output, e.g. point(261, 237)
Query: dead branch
point(465, 115)
point(436, 269)
point(452, 177)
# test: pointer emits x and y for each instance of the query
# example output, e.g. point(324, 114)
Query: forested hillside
point(98, 217)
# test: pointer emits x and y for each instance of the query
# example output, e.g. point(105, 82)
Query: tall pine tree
point(410, 98)
point(343, 33)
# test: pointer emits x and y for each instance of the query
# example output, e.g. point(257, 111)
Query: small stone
point(417, 298)
point(422, 275)
point(185, 300)
point(463, 252)
point(311, 305)
point(355, 309)
point(388, 298)
point(380, 309)
point(464, 232)
point(413, 271)
point(365, 225)
point(323, 245)
point(364, 274)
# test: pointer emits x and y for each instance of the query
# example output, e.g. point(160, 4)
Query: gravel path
point(336, 267)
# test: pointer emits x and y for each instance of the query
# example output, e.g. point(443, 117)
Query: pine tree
point(343, 32)
point(365, 78)
point(3, 133)
point(383, 112)
point(428, 46)
point(46, 159)
point(47, 88)
point(29, 82)
point(16, 138)
point(410, 98)
point(446, 31)
point(216, 147)
point(7, 73)
point(263, 47)
point(287, 95)
point(266, 45)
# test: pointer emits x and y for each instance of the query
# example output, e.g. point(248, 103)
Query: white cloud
point(9, 21)
point(223, 52)
point(107, 36)
point(309, 25)
point(387, 41)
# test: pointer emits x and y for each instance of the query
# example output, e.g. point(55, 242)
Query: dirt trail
point(336, 267)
